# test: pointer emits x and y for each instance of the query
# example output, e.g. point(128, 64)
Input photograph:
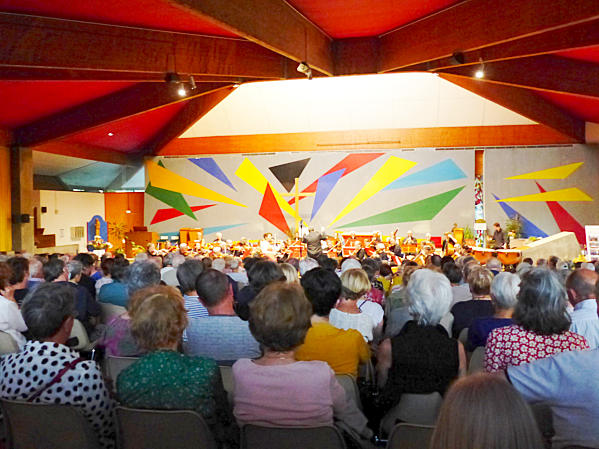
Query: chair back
point(463, 337)
point(162, 429)
point(81, 334)
point(447, 322)
point(108, 311)
point(410, 436)
point(114, 365)
point(7, 344)
point(226, 374)
point(420, 409)
point(477, 360)
point(351, 388)
point(47, 426)
point(259, 437)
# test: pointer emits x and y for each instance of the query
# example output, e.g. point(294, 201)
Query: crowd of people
point(287, 329)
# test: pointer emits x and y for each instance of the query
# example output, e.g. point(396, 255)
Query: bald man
point(580, 286)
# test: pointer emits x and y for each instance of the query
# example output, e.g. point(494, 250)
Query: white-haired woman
point(504, 292)
point(422, 358)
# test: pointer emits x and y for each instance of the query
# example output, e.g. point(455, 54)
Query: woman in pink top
point(541, 325)
point(276, 389)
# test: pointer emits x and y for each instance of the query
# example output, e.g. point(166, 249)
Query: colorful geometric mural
point(170, 198)
point(446, 170)
point(214, 229)
point(564, 220)
point(529, 229)
point(561, 172)
point(271, 211)
point(286, 173)
point(209, 165)
point(169, 214)
point(324, 187)
point(569, 194)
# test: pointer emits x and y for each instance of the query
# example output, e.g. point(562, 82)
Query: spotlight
point(236, 85)
point(181, 91)
point(480, 73)
point(192, 83)
point(304, 68)
point(110, 134)
point(128, 211)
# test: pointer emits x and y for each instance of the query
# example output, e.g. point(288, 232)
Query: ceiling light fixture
point(304, 68)
point(181, 90)
point(192, 83)
point(480, 72)
point(110, 134)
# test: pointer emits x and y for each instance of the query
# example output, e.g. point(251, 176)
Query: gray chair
point(351, 388)
point(109, 311)
point(477, 360)
point(47, 426)
point(259, 437)
point(410, 436)
point(7, 344)
point(162, 429)
point(226, 374)
point(83, 343)
point(421, 409)
point(463, 337)
point(114, 365)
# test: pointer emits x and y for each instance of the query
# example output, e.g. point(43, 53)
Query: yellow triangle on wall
point(570, 194)
point(561, 172)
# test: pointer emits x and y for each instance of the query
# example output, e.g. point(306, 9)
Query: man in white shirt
point(580, 286)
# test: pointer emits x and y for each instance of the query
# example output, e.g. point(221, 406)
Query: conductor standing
point(312, 241)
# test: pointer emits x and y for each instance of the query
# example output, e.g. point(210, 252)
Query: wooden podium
point(141, 238)
point(191, 236)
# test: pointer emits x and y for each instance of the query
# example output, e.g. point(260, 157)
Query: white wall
point(66, 210)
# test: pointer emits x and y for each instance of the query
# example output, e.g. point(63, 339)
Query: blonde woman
point(290, 272)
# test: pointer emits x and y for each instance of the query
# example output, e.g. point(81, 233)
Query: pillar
point(480, 226)
point(5, 200)
point(21, 182)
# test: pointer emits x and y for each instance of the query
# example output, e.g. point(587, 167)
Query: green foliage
point(514, 226)
point(469, 233)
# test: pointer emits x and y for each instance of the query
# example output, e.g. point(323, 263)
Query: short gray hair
point(219, 264)
point(429, 296)
point(142, 274)
point(307, 264)
point(75, 268)
point(504, 290)
point(187, 274)
point(177, 260)
point(494, 264)
point(46, 307)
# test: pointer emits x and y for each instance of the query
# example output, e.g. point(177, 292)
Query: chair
point(463, 337)
point(410, 436)
point(226, 374)
point(47, 426)
point(421, 409)
point(83, 343)
point(108, 311)
point(447, 322)
point(351, 388)
point(477, 360)
point(162, 429)
point(259, 437)
point(114, 365)
point(544, 418)
point(7, 344)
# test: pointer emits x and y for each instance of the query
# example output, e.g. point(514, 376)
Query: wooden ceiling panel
point(582, 107)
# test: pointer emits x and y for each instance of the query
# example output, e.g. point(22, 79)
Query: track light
point(304, 68)
point(480, 72)
point(181, 90)
point(192, 83)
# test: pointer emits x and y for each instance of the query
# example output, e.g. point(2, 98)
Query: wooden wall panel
point(5, 200)
point(116, 205)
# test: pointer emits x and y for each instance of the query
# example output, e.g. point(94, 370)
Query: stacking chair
point(420, 409)
point(83, 343)
point(162, 429)
point(463, 337)
point(226, 374)
point(351, 388)
point(477, 360)
point(108, 311)
point(114, 365)
point(259, 437)
point(7, 344)
point(47, 426)
point(410, 436)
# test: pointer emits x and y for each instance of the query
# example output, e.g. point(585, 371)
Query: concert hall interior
point(387, 133)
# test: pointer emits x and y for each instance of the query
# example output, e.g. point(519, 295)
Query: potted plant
point(469, 236)
point(117, 232)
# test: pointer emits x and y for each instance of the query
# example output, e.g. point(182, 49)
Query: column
point(5, 200)
point(21, 182)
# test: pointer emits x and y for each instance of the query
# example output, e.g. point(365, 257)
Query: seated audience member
point(219, 264)
point(580, 287)
point(494, 266)
point(376, 292)
point(36, 275)
point(116, 292)
point(483, 411)
point(221, 335)
point(385, 277)
point(278, 390)
point(237, 273)
point(398, 297)
point(540, 328)
point(306, 265)
point(87, 262)
point(568, 383)
point(187, 275)
point(479, 280)
point(105, 266)
point(352, 310)
point(290, 272)
point(460, 290)
point(422, 358)
point(260, 274)
point(166, 379)
point(88, 310)
point(523, 268)
point(504, 291)
point(11, 320)
point(343, 350)
point(169, 275)
point(17, 283)
point(330, 264)
point(141, 275)
point(33, 375)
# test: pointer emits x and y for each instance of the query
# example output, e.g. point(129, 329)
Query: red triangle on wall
point(271, 211)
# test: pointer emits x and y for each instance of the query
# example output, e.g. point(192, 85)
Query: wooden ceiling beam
point(82, 49)
point(356, 56)
point(273, 24)
point(186, 117)
point(544, 73)
point(90, 152)
point(525, 103)
point(128, 102)
point(474, 24)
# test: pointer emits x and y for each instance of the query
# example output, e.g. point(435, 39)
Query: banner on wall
point(592, 234)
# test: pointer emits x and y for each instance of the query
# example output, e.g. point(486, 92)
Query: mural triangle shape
point(209, 165)
point(286, 173)
point(422, 210)
point(561, 172)
point(168, 214)
point(529, 229)
point(171, 198)
point(271, 211)
point(446, 170)
point(324, 187)
point(569, 194)
point(214, 229)
point(565, 221)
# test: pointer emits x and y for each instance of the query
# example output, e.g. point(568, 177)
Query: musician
point(381, 253)
point(268, 246)
point(359, 252)
point(409, 239)
point(312, 241)
point(498, 236)
point(427, 241)
point(423, 257)
point(394, 247)
point(449, 242)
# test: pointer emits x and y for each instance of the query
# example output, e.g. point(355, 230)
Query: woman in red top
point(540, 328)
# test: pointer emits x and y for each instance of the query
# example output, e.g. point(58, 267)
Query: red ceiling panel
point(130, 133)
point(358, 18)
point(26, 101)
point(156, 14)
point(581, 107)
point(590, 54)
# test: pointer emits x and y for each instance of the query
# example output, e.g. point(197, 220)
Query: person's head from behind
point(75, 269)
point(289, 271)
point(541, 306)
point(49, 312)
point(20, 271)
point(504, 291)
point(429, 296)
point(280, 317)
point(5, 275)
point(55, 270)
point(354, 284)
point(307, 264)
point(35, 268)
point(263, 273)
point(580, 285)
point(322, 288)
point(187, 274)
point(141, 275)
point(329, 263)
point(158, 317)
point(106, 266)
point(87, 262)
point(214, 288)
point(120, 269)
point(453, 273)
point(494, 265)
point(485, 411)
point(480, 279)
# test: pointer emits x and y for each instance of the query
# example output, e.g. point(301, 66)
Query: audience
point(87, 266)
point(221, 335)
point(187, 274)
point(116, 292)
point(479, 279)
point(36, 275)
point(34, 374)
point(342, 349)
point(17, 283)
point(167, 379)
point(11, 320)
point(106, 266)
point(460, 290)
point(260, 274)
point(278, 390)
point(540, 328)
point(141, 275)
point(290, 272)
point(580, 286)
point(483, 411)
